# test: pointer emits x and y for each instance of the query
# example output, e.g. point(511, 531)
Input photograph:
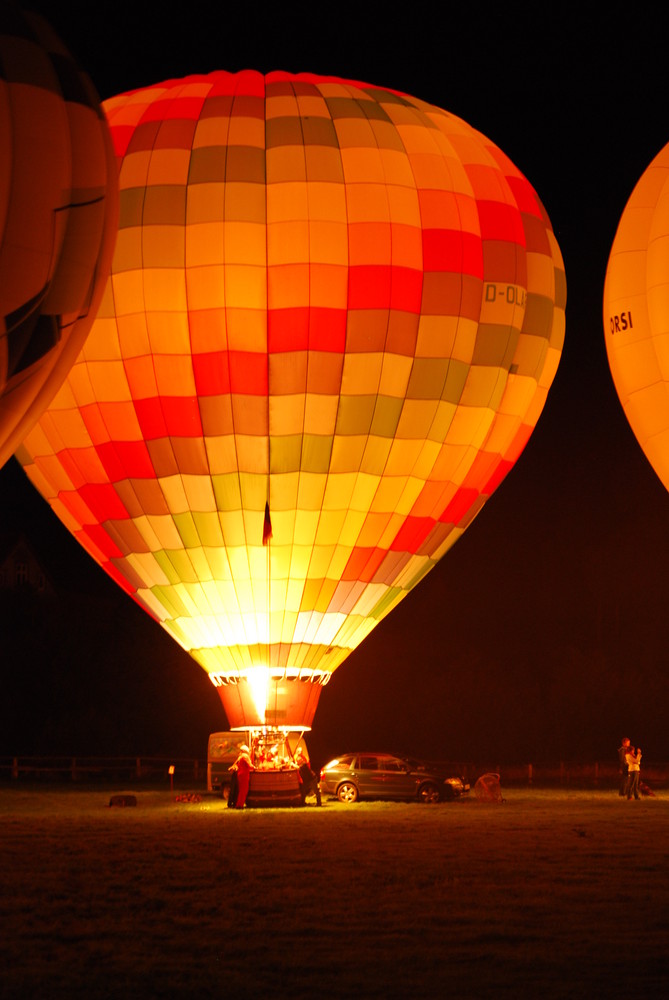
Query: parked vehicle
point(222, 752)
point(355, 776)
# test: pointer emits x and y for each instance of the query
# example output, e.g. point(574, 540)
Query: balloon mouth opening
point(284, 698)
point(261, 677)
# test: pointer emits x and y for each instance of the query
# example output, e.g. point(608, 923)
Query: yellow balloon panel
point(636, 312)
point(333, 315)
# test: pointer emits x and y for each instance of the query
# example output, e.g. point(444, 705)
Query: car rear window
point(339, 762)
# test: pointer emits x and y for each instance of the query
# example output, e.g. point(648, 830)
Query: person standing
point(623, 749)
point(308, 780)
point(243, 766)
point(633, 772)
point(233, 790)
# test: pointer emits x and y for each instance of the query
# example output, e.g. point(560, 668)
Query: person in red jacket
point(243, 766)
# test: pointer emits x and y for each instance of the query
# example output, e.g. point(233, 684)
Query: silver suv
point(356, 776)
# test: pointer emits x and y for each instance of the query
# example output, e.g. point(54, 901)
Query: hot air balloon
point(57, 217)
point(333, 317)
point(636, 313)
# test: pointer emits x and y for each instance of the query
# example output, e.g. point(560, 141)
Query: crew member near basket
point(308, 780)
point(243, 766)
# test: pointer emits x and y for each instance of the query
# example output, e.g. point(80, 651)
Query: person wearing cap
point(243, 767)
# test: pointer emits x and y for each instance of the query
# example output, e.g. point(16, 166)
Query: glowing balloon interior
point(58, 206)
point(636, 313)
point(333, 317)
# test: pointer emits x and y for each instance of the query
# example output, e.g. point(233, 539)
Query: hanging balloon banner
point(333, 317)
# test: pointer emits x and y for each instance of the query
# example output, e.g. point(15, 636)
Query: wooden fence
point(105, 769)
point(577, 774)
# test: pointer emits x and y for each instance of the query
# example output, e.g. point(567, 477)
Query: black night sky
point(543, 634)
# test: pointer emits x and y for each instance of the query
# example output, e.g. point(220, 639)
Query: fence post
point(15, 767)
point(529, 774)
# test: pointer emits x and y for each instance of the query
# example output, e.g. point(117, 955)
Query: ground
point(550, 895)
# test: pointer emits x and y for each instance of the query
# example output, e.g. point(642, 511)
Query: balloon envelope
point(333, 317)
point(636, 312)
point(57, 217)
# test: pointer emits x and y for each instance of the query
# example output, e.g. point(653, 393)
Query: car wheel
point(347, 792)
point(429, 792)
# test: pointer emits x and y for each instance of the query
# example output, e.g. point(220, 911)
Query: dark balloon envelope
point(636, 312)
point(333, 317)
point(58, 209)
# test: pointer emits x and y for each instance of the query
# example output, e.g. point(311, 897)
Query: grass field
point(549, 895)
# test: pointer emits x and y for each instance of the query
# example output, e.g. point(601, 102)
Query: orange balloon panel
point(636, 313)
point(58, 206)
point(333, 317)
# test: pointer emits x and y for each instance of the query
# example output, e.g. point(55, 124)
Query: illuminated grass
point(374, 900)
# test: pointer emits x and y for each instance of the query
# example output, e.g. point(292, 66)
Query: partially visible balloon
point(58, 210)
point(636, 312)
point(333, 317)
